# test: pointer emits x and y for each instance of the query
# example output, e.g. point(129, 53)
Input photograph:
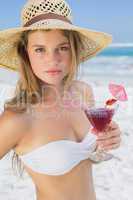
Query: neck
point(52, 92)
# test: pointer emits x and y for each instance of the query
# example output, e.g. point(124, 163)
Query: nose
point(53, 56)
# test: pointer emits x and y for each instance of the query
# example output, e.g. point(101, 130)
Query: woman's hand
point(110, 138)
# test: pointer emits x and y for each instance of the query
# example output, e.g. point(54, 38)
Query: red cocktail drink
point(99, 117)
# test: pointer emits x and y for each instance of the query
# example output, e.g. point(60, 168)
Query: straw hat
point(48, 14)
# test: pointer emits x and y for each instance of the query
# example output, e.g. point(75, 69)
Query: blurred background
point(112, 179)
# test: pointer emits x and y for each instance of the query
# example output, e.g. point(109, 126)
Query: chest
point(46, 126)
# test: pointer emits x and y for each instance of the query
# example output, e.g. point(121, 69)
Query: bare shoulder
point(81, 84)
point(11, 131)
point(7, 118)
point(10, 118)
point(85, 90)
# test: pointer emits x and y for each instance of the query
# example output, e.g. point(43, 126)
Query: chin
point(54, 82)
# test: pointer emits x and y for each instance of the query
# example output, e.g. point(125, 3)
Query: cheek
point(35, 62)
point(68, 64)
point(67, 60)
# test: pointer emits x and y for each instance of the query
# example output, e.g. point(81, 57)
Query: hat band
point(46, 16)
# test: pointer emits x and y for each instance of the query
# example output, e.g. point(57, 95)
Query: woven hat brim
point(93, 41)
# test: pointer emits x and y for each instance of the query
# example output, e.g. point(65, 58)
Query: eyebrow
point(40, 45)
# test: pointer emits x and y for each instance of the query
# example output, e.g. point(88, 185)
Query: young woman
point(44, 123)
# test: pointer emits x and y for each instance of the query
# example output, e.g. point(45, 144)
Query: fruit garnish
point(110, 102)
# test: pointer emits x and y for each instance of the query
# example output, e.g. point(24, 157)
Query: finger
point(111, 141)
point(111, 126)
point(111, 147)
point(109, 134)
point(113, 122)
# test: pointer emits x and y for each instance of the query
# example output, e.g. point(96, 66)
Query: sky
point(112, 16)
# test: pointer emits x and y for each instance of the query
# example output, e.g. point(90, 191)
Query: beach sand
point(113, 179)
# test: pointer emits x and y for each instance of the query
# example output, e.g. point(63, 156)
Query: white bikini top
point(61, 156)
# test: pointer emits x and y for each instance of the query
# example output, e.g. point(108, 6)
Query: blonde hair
point(29, 86)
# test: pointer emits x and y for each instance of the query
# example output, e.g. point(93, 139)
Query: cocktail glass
point(100, 117)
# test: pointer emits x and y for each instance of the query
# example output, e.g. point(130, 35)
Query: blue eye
point(39, 50)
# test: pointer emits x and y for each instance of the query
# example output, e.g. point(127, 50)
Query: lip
point(54, 73)
point(53, 70)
